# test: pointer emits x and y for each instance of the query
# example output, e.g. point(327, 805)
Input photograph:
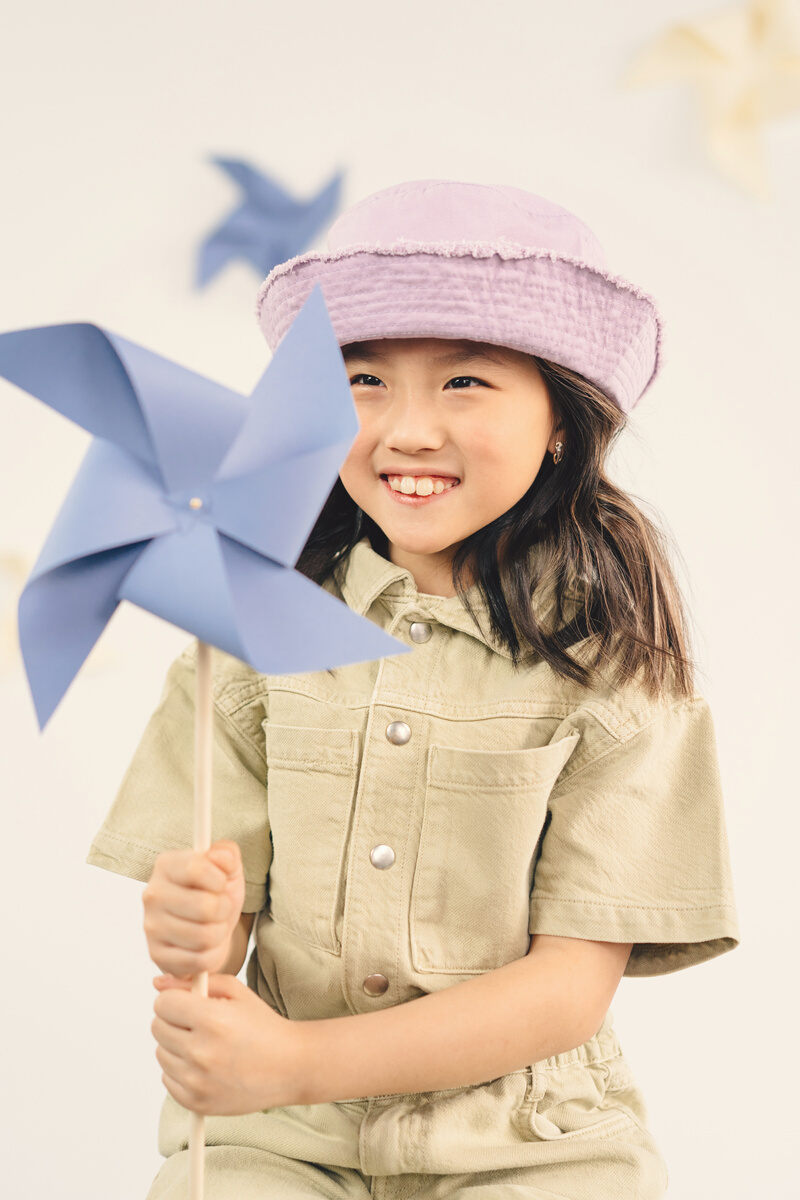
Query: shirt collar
point(368, 577)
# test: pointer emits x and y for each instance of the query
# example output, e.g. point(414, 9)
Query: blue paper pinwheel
point(269, 226)
point(192, 502)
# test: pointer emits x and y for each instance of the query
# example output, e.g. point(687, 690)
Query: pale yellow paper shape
point(744, 64)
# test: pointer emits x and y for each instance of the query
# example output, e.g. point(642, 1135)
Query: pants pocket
point(571, 1100)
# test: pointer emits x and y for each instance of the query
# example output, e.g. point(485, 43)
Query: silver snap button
point(398, 733)
point(381, 857)
point(375, 985)
point(420, 631)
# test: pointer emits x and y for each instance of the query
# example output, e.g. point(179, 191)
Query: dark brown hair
point(597, 551)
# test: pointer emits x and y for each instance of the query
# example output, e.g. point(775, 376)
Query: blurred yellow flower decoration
point(744, 63)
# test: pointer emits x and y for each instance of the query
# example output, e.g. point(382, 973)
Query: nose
point(412, 423)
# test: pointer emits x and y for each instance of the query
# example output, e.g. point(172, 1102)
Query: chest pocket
point(484, 812)
point(311, 777)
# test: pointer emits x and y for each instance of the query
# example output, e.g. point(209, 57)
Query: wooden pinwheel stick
point(203, 743)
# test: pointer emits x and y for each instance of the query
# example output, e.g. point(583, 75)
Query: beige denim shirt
point(419, 817)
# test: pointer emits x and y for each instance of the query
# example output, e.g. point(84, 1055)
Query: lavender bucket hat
point(488, 263)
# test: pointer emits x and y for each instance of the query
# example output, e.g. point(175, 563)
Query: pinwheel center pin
point(190, 507)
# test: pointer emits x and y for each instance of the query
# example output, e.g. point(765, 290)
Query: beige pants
point(572, 1127)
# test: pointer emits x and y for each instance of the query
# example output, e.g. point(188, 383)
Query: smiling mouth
point(421, 485)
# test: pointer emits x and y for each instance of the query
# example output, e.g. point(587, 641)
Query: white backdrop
point(109, 114)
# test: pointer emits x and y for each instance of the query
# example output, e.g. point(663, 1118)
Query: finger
point(164, 982)
point(186, 963)
point(189, 903)
point(185, 934)
point(171, 1064)
point(171, 1037)
point(220, 987)
point(184, 1083)
point(180, 1094)
point(226, 987)
point(227, 855)
point(176, 1008)
point(194, 869)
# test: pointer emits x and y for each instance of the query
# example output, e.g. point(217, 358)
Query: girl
point(453, 854)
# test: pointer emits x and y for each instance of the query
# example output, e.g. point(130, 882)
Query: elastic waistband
point(602, 1046)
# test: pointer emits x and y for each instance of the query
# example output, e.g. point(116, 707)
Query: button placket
point(376, 908)
point(382, 856)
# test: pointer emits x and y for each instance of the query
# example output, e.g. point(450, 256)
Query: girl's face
point(452, 435)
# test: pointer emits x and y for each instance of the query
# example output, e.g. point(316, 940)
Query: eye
point(460, 379)
point(373, 379)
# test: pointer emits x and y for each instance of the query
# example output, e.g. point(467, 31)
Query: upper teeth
point(421, 485)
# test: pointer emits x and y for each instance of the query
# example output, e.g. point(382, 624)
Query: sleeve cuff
point(664, 939)
point(126, 857)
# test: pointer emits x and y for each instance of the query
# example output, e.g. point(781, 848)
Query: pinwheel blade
point(192, 420)
point(270, 196)
point(61, 615)
point(289, 625)
point(214, 254)
point(76, 370)
point(183, 579)
point(112, 510)
point(273, 511)
point(284, 462)
point(269, 226)
point(316, 212)
point(257, 238)
point(115, 500)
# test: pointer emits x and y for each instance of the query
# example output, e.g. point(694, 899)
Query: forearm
point(466, 1034)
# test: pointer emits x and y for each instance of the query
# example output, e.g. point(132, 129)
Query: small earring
point(559, 454)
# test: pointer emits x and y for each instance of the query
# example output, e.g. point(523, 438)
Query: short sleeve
point(153, 810)
point(635, 847)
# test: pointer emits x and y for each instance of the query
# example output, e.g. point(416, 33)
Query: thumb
point(227, 856)
point(224, 987)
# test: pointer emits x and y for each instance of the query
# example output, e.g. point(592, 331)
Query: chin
point(421, 546)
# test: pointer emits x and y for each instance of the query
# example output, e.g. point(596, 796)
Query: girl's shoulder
point(610, 713)
point(240, 692)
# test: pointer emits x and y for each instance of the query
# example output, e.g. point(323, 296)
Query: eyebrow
point(464, 353)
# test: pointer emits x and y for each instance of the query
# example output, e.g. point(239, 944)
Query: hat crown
point(446, 211)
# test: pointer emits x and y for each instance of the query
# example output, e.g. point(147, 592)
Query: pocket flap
point(334, 751)
point(461, 770)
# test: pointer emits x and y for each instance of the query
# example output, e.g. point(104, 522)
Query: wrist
point(302, 1046)
point(280, 1060)
point(329, 1060)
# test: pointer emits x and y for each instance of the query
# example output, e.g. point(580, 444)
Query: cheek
point(356, 468)
point(508, 466)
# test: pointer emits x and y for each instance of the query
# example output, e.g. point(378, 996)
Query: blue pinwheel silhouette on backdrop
point(192, 502)
point(269, 226)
